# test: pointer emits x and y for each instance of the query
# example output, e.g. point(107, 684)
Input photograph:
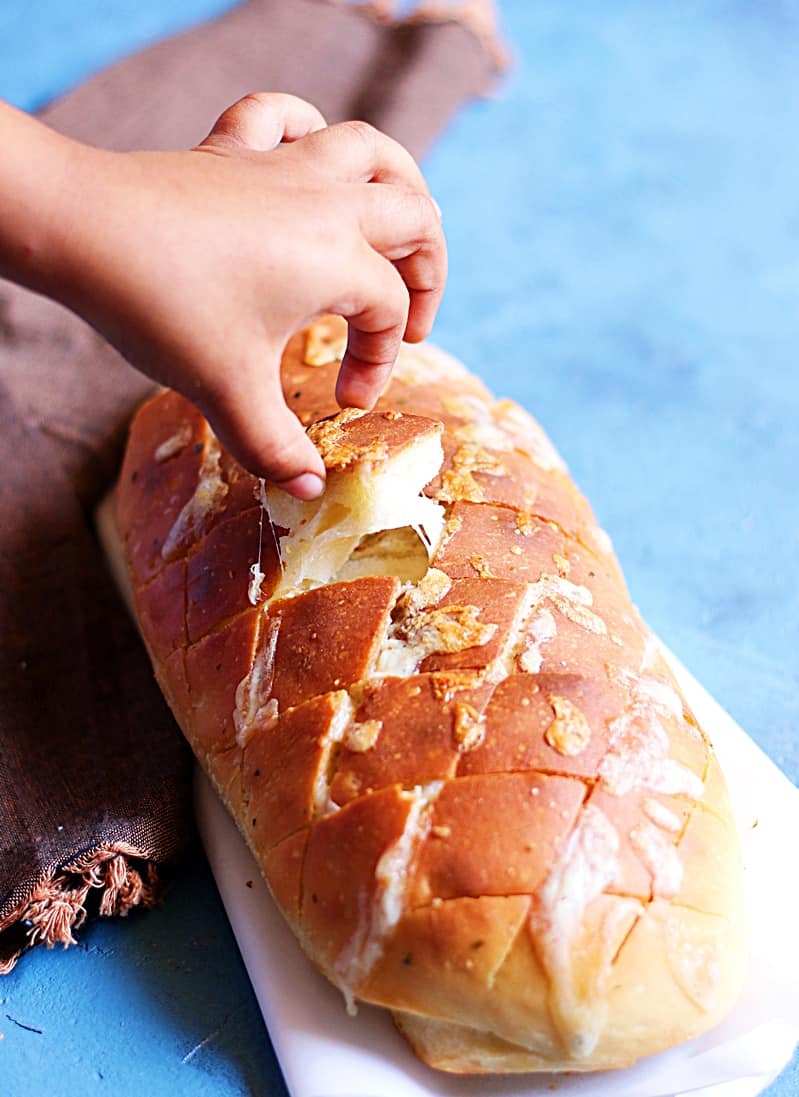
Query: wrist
point(37, 178)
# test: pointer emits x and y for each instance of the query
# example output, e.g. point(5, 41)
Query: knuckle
point(400, 299)
point(428, 216)
point(256, 101)
point(417, 211)
point(233, 123)
point(377, 349)
point(393, 293)
point(364, 132)
point(277, 100)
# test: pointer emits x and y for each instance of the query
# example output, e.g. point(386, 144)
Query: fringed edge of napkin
point(107, 880)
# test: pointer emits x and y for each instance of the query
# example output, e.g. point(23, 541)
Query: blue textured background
point(623, 222)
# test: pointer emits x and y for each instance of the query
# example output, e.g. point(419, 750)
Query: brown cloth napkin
point(94, 776)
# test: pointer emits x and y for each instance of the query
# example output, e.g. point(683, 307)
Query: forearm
point(39, 177)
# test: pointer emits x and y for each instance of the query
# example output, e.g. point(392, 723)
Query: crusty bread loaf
point(465, 770)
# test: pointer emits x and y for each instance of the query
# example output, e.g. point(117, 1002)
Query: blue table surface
point(623, 224)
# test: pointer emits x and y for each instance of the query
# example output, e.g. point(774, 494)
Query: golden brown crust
point(673, 978)
point(456, 948)
point(419, 745)
point(519, 722)
point(476, 793)
point(345, 621)
point(284, 763)
point(214, 667)
point(375, 436)
point(217, 574)
point(468, 854)
point(340, 878)
point(160, 608)
point(282, 868)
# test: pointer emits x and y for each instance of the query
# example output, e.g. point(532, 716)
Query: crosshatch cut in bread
point(467, 774)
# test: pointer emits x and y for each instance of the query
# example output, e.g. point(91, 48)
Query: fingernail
point(437, 208)
point(305, 486)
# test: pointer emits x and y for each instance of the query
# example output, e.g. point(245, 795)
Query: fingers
point(398, 217)
point(355, 152)
point(377, 317)
point(403, 273)
point(266, 438)
point(262, 120)
point(405, 227)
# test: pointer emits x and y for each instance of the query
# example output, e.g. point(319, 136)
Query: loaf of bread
point(467, 774)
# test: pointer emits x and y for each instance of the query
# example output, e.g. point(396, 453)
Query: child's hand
point(200, 265)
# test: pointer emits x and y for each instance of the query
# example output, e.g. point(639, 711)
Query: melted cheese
point(336, 730)
point(541, 629)
point(208, 497)
point(253, 693)
point(443, 630)
point(382, 913)
point(458, 482)
point(589, 863)
point(327, 537)
point(469, 727)
point(661, 858)
point(661, 816)
point(695, 959)
point(571, 599)
point(175, 444)
point(569, 733)
point(363, 737)
point(639, 744)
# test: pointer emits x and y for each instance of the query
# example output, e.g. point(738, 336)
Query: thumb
point(260, 432)
point(262, 120)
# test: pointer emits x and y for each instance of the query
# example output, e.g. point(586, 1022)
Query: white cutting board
point(325, 1053)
